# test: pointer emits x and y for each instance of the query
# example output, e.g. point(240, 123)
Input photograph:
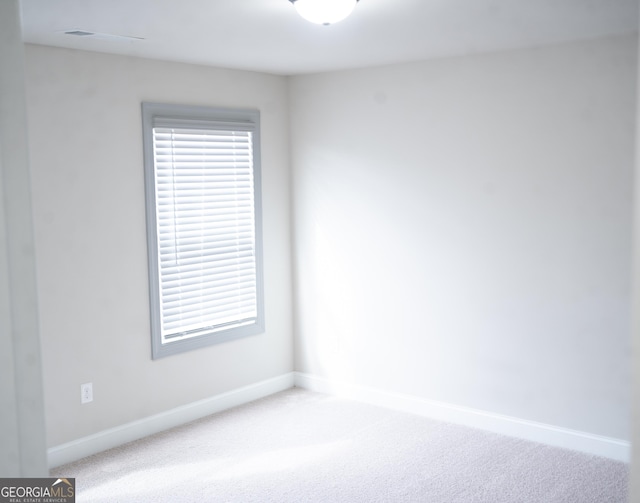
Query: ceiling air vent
point(79, 33)
point(102, 36)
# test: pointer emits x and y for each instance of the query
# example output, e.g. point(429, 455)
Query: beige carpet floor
point(299, 446)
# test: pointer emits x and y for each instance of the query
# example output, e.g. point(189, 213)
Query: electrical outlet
point(86, 393)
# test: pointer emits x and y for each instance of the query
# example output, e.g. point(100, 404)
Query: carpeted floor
point(299, 446)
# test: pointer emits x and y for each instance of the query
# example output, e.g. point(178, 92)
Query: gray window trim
point(179, 115)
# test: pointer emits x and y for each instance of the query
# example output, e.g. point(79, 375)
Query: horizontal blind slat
point(243, 310)
point(198, 276)
point(213, 302)
point(193, 291)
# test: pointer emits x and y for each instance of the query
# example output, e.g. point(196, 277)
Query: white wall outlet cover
point(86, 393)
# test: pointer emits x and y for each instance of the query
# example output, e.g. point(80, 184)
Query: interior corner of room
point(451, 237)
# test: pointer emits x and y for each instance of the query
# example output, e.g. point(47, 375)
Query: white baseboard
point(529, 430)
point(612, 448)
point(114, 437)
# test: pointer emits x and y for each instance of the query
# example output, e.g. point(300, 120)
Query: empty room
point(257, 252)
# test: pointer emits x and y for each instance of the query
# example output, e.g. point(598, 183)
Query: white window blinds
point(205, 227)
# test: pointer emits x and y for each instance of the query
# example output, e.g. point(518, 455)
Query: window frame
point(182, 116)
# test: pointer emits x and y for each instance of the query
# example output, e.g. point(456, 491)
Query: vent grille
point(101, 36)
point(79, 33)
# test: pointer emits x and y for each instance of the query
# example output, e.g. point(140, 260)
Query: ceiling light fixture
point(324, 11)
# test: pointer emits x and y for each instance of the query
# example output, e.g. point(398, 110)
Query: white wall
point(634, 483)
point(88, 196)
point(22, 430)
point(463, 230)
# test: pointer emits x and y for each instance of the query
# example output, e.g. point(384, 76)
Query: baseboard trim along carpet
point(114, 437)
point(612, 448)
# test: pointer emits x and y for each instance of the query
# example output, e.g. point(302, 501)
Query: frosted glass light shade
point(324, 11)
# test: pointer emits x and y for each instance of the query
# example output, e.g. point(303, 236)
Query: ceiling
point(269, 36)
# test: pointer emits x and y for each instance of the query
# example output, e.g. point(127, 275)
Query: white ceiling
point(269, 36)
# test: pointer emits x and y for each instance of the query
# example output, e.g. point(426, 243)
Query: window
point(202, 181)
